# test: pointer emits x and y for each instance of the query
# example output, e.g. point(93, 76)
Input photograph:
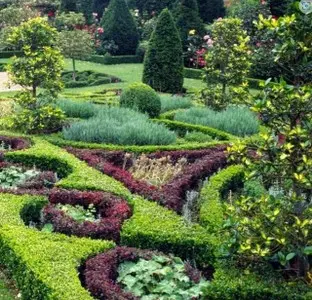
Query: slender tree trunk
point(34, 91)
point(74, 70)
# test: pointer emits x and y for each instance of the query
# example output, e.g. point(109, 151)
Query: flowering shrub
point(202, 163)
point(112, 212)
point(101, 272)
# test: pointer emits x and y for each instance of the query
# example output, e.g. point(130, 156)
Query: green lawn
point(128, 73)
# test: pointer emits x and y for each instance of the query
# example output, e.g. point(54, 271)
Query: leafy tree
point(120, 27)
point(75, 44)
point(65, 21)
point(227, 63)
point(86, 8)
point(187, 18)
point(39, 67)
point(211, 10)
point(41, 63)
point(163, 64)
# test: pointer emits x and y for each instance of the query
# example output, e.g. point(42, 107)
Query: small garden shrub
point(141, 97)
point(235, 119)
point(86, 214)
point(75, 109)
point(113, 125)
point(101, 274)
point(174, 102)
point(87, 78)
point(13, 143)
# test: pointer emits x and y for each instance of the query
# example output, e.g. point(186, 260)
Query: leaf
point(308, 250)
point(290, 256)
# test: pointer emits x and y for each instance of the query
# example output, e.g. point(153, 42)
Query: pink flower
point(210, 43)
point(219, 19)
point(95, 14)
point(206, 37)
point(258, 44)
point(100, 30)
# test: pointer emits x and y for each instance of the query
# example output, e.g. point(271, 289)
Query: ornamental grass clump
point(237, 120)
point(121, 126)
point(174, 102)
point(74, 109)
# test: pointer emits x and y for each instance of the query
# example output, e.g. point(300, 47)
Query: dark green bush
point(193, 73)
point(211, 10)
point(120, 27)
point(141, 97)
point(108, 59)
point(187, 18)
point(163, 63)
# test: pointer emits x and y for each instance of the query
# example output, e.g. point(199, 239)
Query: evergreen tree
point(211, 9)
point(120, 27)
point(187, 18)
point(68, 5)
point(163, 64)
point(86, 7)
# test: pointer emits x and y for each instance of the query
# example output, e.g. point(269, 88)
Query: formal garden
point(155, 150)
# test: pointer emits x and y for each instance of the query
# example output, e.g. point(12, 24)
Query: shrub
point(172, 103)
point(120, 126)
point(197, 137)
point(141, 97)
point(120, 27)
point(163, 63)
point(108, 59)
point(211, 9)
point(235, 119)
point(74, 109)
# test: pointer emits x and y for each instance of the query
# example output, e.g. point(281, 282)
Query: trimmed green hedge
point(9, 54)
point(44, 265)
point(211, 207)
point(115, 60)
point(193, 73)
point(185, 127)
point(155, 227)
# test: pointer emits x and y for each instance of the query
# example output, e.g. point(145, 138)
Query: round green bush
point(141, 97)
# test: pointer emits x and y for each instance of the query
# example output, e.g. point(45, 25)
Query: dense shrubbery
point(119, 126)
point(141, 97)
point(235, 120)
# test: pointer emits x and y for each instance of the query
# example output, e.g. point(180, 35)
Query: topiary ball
point(141, 97)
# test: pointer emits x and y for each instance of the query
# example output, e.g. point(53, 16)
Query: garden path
point(3, 83)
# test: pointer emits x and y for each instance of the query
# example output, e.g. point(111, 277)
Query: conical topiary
point(187, 18)
point(120, 27)
point(163, 64)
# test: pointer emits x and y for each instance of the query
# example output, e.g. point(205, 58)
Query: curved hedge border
point(211, 207)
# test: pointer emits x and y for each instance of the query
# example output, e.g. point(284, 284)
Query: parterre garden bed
point(46, 261)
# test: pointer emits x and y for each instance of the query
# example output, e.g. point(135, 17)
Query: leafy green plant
point(159, 278)
point(13, 176)
point(79, 213)
point(197, 137)
point(237, 120)
point(174, 102)
point(122, 126)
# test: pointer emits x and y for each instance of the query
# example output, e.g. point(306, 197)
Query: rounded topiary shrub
point(141, 97)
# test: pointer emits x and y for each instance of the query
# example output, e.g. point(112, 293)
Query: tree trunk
point(74, 70)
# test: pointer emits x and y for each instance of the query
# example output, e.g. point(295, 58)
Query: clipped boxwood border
point(211, 207)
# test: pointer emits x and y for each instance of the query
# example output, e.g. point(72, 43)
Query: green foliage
point(211, 214)
point(86, 8)
point(227, 63)
point(79, 213)
point(293, 48)
point(277, 226)
point(279, 7)
point(211, 10)
point(187, 18)
point(235, 119)
point(14, 176)
point(197, 137)
point(141, 97)
point(169, 233)
point(119, 126)
point(163, 64)
point(151, 6)
point(108, 59)
point(69, 20)
point(68, 5)
point(37, 40)
point(169, 103)
point(159, 277)
point(15, 15)
point(120, 27)
point(74, 109)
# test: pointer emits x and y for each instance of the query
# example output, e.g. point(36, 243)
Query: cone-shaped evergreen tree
point(187, 18)
point(120, 27)
point(211, 9)
point(163, 64)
